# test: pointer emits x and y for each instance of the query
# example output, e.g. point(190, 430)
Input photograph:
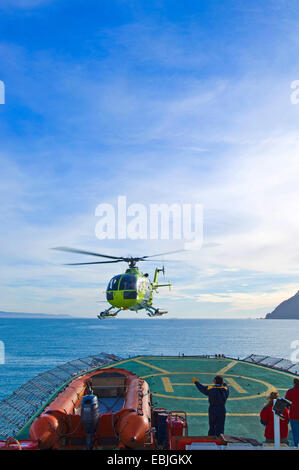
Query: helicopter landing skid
point(155, 312)
point(107, 314)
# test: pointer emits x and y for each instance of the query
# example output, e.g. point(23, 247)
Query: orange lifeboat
point(122, 413)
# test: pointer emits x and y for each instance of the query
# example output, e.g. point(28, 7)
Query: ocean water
point(35, 345)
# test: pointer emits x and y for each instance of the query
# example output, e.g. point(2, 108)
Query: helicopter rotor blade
point(83, 252)
point(159, 260)
point(162, 254)
point(115, 259)
point(94, 262)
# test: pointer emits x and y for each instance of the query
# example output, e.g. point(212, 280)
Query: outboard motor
point(89, 418)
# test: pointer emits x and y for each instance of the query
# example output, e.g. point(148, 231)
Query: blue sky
point(164, 102)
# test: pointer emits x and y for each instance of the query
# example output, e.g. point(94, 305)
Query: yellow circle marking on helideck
point(268, 386)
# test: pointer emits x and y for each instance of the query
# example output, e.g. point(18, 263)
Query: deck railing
point(275, 362)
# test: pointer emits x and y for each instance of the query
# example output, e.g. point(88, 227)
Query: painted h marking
point(235, 385)
point(168, 385)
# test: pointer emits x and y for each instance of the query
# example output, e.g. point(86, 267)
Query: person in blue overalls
point(217, 394)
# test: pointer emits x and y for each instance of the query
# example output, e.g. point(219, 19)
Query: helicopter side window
point(141, 284)
point(113, 284)
point(127, 282)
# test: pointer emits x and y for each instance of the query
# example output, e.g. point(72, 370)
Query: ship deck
point(170, 382)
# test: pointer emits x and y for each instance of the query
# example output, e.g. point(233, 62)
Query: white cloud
point(250, 302)
point(229, 143)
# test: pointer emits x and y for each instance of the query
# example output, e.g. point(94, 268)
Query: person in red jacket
point(267, 419)
point(293, 396)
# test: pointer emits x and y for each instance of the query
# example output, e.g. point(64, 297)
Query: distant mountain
point(288, 309)
point(30, 315)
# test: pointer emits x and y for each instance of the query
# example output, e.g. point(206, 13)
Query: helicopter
point(131, 290)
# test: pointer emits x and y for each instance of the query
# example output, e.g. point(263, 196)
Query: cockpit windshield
point(127, 282)
point(113, 283)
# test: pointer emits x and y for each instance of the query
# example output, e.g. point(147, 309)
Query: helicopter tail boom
point(155, 283)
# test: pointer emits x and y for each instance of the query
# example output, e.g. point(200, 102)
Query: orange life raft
point(124, 412)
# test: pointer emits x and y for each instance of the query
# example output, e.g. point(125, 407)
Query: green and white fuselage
point(132, 290)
